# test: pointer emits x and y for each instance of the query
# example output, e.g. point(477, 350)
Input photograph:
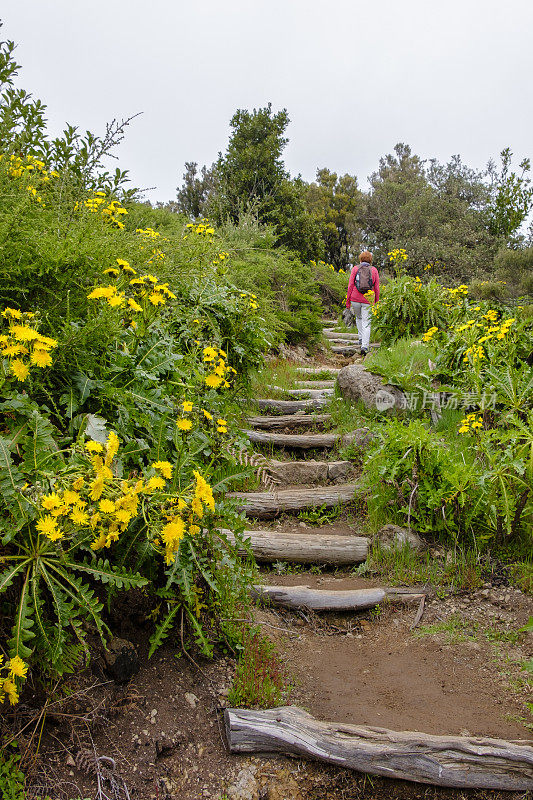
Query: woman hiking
point(364, 279)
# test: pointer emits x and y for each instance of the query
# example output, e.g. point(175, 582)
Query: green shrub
point(408, 307)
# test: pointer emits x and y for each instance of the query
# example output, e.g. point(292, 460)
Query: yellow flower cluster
point(429, 334)
point(112, 211)
point(134, 295)
point(418, 284)
point(22, 345)
point(202, 228)
point(34, 170)
point(220, 371)
point(397, 255)
point(459, 291)
point(490, 330)
point(471, 422)
point(185, 518)
point(186, 424)
point(147, 233)
point(14, 668)
point(220, 258)
point(252, 300)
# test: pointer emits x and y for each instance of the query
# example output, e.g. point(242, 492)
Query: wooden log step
point(309, 472)
point(303, 548)
point(290, 406)
point(338, 340)
point(332, 599)
point(299, 441)
point(346, 350)
point(461, 762)
point(329, 334)
point(265, 505)
point(315, 384)
point(288, 420)
point(318, 370)
point(302, 392)
point(329, 323)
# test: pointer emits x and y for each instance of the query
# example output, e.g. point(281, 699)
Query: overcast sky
point(447, 77)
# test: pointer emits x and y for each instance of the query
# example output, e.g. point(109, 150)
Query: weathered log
point(315, 384)
point(463, 762)
point(346, 350)
point(332, 599)
point(329, 323)
point(303, 548)
point(300, 441)
point(290, 406)
point(288, 420)
point(302, 392)
point(329, 334)
point(309, 471)
point(318, 370)
point(265, 505)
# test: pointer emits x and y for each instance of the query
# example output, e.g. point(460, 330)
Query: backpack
point(363, 278)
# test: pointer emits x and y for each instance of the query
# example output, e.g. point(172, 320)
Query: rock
point(191, 699)
point(165, 744)
point(356, 383)
point(339, 470)
point(393, 536)
point(122, 661)
point(245, 787)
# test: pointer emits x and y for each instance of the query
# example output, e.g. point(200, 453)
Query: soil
point(460, 671)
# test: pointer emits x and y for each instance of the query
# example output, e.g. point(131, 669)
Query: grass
point(261, 680)
point(321, 515)
point(404, 364)
point(462, 570)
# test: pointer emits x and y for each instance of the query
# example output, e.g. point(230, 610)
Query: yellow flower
point(50, 501)
point(94, 447)
point(197, 507)
point(111, 271)
point(164, 467)
point(97, 487)
point(213, 381)
point(112, 446)
point(107, 506)
point(77, 485)
point(46, 525)
point(222, 429)
point(194, 530)
point(40, 358)
point(155, 483)
point(12, 312)
point(116, 300)
point(184, 424)
point(182, 505)
point(173, 532)
point(79, 516)
point(207, 415)
point(10, 350)
point(10, 689)
point(187, 406)
point(156, 299)
point(102, 291)
point(71, 498)
point(17, 667)
point(19, 369)
point(134, 305)
point(210, 353)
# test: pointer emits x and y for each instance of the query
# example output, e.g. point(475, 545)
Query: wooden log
point(329, 323)
point(321, 599)
point(309, 471)
point(318, 370)
point(315, 384)
point(346, 350)
point(314, 393)
point(299, 441)
point(288, 420)
point(462, 762)
point(290, 406)
point(329, 334)
point(302, 548)
point(265, 505)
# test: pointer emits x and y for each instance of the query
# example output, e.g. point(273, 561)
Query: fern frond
point(162, 630)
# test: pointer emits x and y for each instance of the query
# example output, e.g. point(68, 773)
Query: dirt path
point(459, 672)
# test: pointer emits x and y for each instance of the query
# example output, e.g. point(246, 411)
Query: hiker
point(364, 278)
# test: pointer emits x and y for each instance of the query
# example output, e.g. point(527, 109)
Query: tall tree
point(193, 195)
point(512, 196)
point(336, 204)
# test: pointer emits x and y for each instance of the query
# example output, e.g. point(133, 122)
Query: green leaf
point(528, 627)
point(23, 623)
point(162, 630)
point(104, 572)
point(6, 578)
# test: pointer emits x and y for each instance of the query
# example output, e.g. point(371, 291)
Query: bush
point(407, 307)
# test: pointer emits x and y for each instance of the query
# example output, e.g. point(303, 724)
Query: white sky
point(445, 76)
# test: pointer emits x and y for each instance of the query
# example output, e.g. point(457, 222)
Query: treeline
point(465, 224)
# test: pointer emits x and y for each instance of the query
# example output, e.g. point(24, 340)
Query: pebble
point(191, 699)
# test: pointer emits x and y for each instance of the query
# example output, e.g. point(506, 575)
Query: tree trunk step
point(311, 393)
point(288, 420)
point(266, 505)
point(290, 406)
point(301, 548)
point(329, 334)
point(318, 370)
point(299, 441)
point(302, 597)
point(461, 762)
point(329, 384)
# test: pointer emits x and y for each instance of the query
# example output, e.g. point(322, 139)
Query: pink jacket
point(355, 296)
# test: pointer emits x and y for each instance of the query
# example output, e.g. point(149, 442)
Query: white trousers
point(362, 314)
